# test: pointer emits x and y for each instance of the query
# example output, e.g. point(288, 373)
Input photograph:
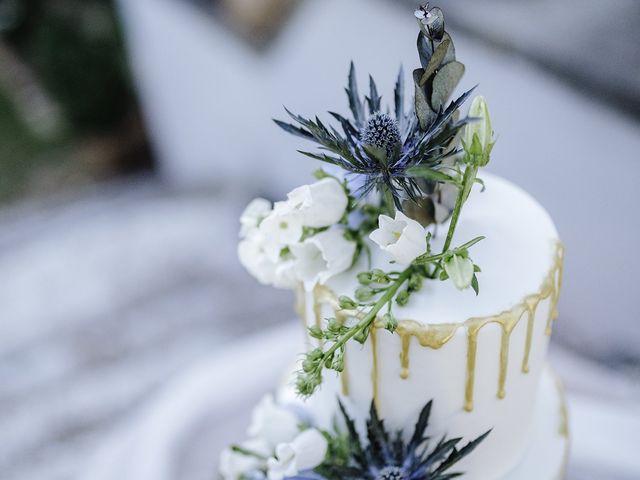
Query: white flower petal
point(272, 423)
point(322, 256)
point(255, 212)
point(310, 448)
point(402, 238)
point(320, 204)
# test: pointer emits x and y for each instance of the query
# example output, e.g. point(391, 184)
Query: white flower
point(272, 423)
point(460, 271)
point(322, 256)
point(402, 238)
point(280, 229)
point(234, 465)
point(254, 255)
point(307, 451)
point(320, 204)
point(478, 135)
point(255, 212)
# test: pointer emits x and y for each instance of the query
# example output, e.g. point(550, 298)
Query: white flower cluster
point(276, 446)
point(274, 248)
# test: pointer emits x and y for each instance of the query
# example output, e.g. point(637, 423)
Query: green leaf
point(424, 50)
point(475, 285)
point(422, 171)
point(445, 83)
point(451, 51)
point(436, 60)
point(425, 114)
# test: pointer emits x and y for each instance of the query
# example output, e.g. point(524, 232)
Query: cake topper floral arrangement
point(391, 179)
point(392, 175)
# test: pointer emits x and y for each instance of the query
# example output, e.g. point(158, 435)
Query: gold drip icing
point(435, 336)
point(300, 307)
point(431, 336)
point(531, 305)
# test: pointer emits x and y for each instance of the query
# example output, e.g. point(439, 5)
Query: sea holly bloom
point(478, 139)
point(460, 270)
point(320, 204)
point(322, 256)
point(272, 423)
point(306, 452)
point(402, 238)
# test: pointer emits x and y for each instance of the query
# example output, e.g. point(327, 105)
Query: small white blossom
point(306, 452)
point(235, 465)
point(272, 423)
point(320, 204)
point(460, 271)
point(255, 255)
point(255, 212)
point(280, 229)
point(322, 256)
point(402, 238)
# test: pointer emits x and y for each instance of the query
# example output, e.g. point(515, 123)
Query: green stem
point(371, 315)
point(469, 176)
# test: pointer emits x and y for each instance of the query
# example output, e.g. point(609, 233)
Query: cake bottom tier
point(548, 446)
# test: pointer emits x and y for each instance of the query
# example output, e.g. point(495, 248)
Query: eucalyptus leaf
point(425, 50)
point(436, 60)
point(451, 51)
point(445, 83)
point(425, 114)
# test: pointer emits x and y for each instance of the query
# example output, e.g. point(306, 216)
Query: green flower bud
point(316, 332)
point(364, 293)
point(390, 322)
point(478, 134)
point(338, 362)
point(403, 298)
point(347, 303)
point(334, 326)
point(415, 283)
point(364, 278)
point(379, 276)
point(460, 271)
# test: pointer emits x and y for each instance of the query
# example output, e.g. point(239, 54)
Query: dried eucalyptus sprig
point(406, 156)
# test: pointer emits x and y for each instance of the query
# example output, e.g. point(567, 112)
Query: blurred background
point(132, 134)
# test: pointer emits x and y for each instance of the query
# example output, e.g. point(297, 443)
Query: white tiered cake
point(407, 374)
point(482, 359)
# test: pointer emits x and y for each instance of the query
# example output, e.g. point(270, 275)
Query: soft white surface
point(515, 257)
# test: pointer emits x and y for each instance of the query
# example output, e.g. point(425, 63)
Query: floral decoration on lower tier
point(285, 445)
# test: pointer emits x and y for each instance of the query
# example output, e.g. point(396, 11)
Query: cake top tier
point(516, 256)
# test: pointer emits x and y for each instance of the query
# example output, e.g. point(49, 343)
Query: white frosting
point(516, 257)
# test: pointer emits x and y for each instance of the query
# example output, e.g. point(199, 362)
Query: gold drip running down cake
point(427, 289)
